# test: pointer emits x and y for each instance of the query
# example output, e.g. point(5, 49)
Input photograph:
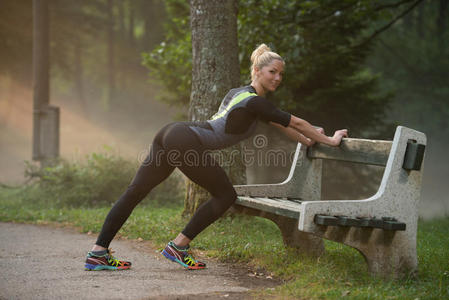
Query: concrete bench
point(382, 227)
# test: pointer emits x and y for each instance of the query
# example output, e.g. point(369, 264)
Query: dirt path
point(43, 262)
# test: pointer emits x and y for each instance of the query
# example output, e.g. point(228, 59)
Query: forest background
point(121, 69)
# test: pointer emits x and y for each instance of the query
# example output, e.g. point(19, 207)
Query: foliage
point(321, 42)
point(15, 30)
point(79, 43)
point(257, 243)
point(100, 180)
point(171, 61)
point(413, 57)
point(324, 43)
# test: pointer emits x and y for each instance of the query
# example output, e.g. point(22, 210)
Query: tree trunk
point(41, 54)
point(149, 16)
point(420, 21)
point(79, 83)
point(153, 16)
point(442, 23)
point(111, 55)
point(215, 71)
point(131, 38)
point(121, 20)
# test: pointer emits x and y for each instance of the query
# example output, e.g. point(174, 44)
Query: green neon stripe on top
point(233, 102)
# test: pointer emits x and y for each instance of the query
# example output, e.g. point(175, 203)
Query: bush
point(98, 181)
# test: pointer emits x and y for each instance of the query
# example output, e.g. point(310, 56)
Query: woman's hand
point(308, 135)
point(338, 135)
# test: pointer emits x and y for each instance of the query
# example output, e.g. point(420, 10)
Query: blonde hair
point(261, 57)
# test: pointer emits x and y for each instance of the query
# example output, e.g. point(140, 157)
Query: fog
point(126, 134)
point(129, 134)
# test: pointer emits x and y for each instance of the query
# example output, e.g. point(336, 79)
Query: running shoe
point(182, 257)
point(105, 262)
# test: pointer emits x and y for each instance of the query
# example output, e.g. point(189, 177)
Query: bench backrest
point(404, 153)
point(371, 152)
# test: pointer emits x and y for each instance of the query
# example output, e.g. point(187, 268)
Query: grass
point(340, 273)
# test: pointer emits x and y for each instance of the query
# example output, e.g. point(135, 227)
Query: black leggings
point(176, 145)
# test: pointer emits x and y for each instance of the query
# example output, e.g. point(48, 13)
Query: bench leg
point(306, 243)
point(302, 241)
point(388, 254)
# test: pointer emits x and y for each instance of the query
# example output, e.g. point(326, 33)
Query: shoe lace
point(111, 259)
point(189, 259)
point(187, 255)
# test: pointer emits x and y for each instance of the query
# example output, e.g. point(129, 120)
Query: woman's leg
point(212, 178)
point(153, 171)
point(204, 171)
point(223, 196)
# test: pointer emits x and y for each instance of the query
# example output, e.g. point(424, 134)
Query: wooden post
point(45, 117)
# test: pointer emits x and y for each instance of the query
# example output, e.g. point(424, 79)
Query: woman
point(235, 120)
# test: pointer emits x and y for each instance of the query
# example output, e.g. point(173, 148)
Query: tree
point(78, 72)
point(78, 46)
point(325, 44)
point(16, 29)
point(110, 53)
point(41, 54)
point(215, 71)
point(170, 62)
point(413, 57)
point(152, 10)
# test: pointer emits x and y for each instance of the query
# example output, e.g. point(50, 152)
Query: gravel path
point(45, 262)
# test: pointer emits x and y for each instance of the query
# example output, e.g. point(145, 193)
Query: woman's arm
point(294, 135)
point(295, 128)
point(302, 131)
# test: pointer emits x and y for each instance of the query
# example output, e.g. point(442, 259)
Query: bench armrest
point(303, 181)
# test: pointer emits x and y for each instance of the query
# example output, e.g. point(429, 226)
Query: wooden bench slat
point(385, 223)
point(277, 206)
point(372, 152)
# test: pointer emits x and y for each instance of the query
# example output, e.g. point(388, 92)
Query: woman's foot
point(103, 260)
point(182, 257)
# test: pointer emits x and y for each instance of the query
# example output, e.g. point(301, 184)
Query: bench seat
point(285, 207)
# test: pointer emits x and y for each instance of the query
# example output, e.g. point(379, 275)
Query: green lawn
point(258, 242)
